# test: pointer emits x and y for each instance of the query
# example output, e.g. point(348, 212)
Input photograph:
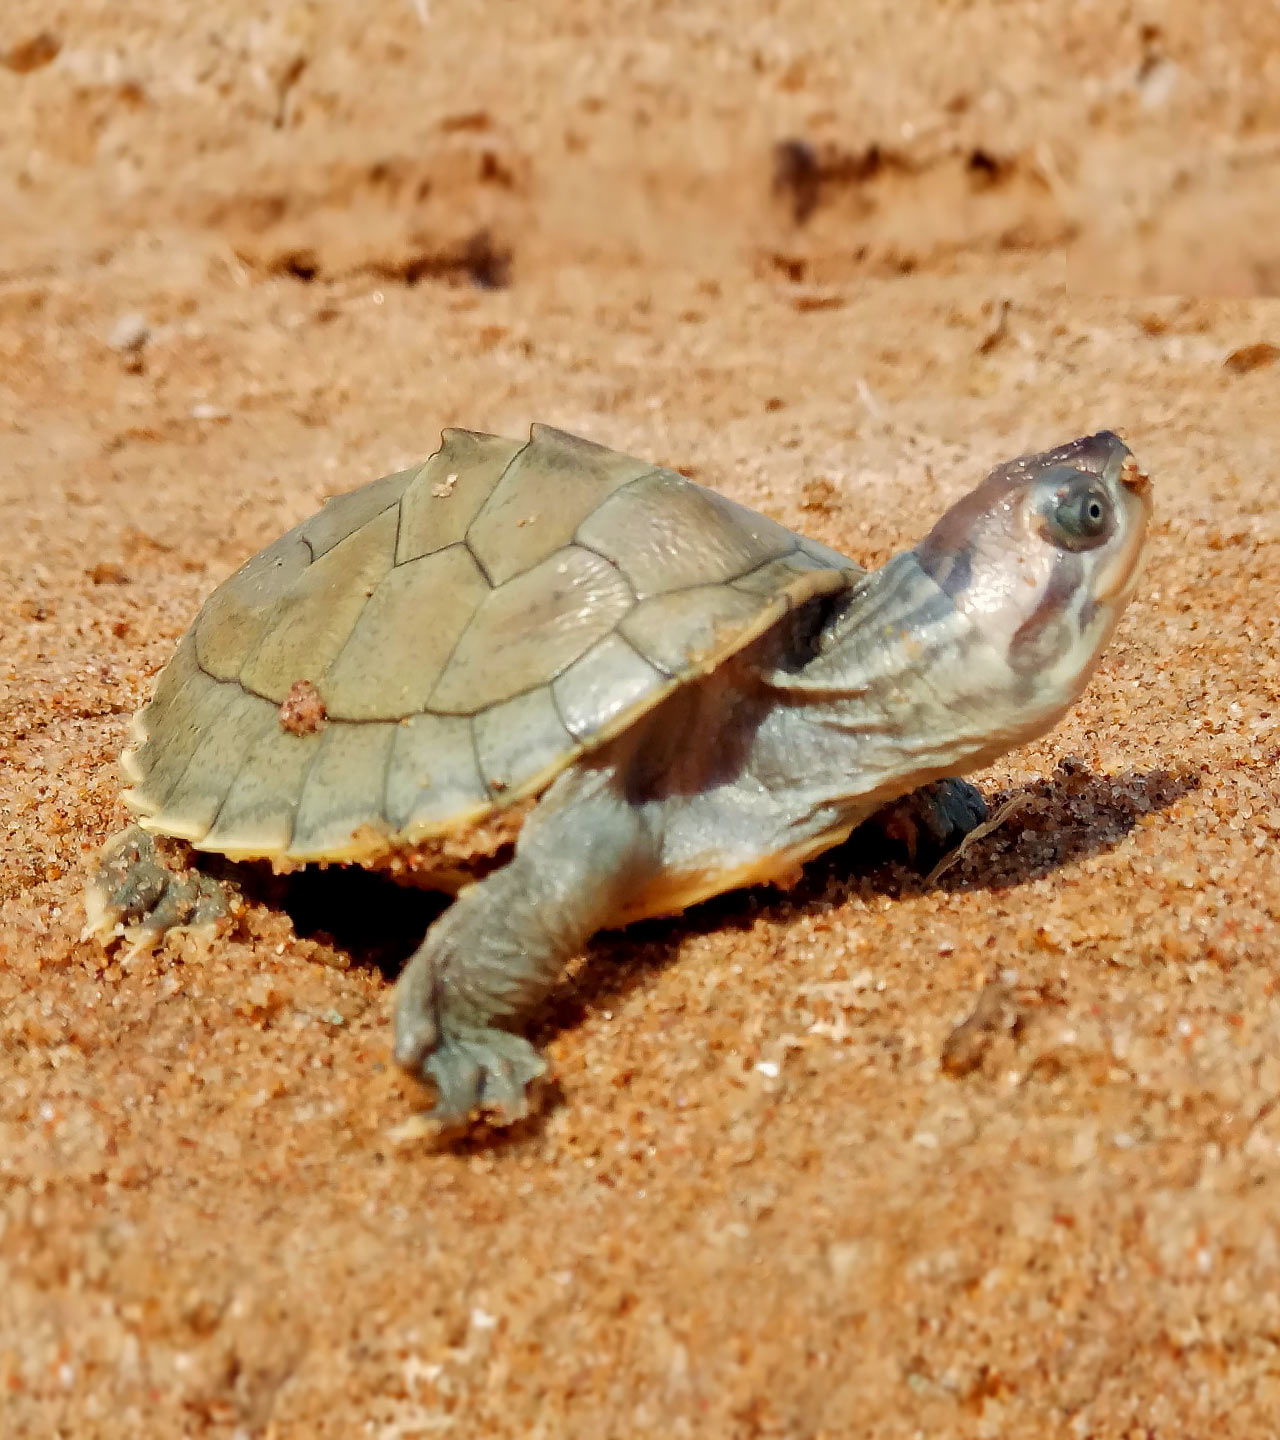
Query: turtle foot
point(134, 896)
point(473, 1068)
point(933, 820)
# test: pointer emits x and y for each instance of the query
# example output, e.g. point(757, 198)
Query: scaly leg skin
point(497, 951)
point(134, 895)
point(932, 820)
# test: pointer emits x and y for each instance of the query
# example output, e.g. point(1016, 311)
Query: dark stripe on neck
point(1041, 631)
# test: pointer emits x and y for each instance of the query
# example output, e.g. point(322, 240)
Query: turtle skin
point(576, 689)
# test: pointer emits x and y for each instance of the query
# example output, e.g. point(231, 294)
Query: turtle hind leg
point(133, 895)
point(497, 951)
point(930, 821)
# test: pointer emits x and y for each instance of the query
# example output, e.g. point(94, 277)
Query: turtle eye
point(1077, 513)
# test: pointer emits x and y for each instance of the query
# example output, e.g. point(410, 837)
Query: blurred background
point(415, 141)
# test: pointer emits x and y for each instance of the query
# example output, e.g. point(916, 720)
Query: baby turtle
point(576, 689)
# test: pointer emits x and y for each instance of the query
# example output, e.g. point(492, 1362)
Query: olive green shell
point(471, 625)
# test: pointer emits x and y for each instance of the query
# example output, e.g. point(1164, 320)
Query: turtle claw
point(481, 1068)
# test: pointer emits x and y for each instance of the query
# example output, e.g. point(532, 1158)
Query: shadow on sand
point(1059, 820)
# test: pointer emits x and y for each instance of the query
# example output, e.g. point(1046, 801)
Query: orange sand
point(774, 1199)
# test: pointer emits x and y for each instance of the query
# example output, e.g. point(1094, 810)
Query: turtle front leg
point(134, 895)
point(932, 820)
point(496, 952)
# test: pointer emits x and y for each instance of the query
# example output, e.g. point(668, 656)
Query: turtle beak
point(1107, 455)
point(1117, 465)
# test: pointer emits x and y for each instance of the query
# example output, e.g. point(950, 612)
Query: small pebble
point(130, 333)
point(128, 338)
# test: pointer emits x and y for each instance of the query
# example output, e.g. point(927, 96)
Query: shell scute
point(554, 483)
point(257, 813)
point(449, 490)
point(524, 633)
point(168, 735)
point(688, 628)
point(192, 804)
point(342, 515)
point(667, 534)
point(312, 621)
point(433, 775)
point(404, 636)
point(520, 740)
point(775, 576)
point(340, 810)
point(601, 687)
point(470, 626)
point(237, 614)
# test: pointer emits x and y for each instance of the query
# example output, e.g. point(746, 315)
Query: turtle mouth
point(1121, 579)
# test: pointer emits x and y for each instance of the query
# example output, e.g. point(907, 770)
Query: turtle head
point(1043, 556)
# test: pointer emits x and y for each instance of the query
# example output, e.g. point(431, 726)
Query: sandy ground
point(251, 255)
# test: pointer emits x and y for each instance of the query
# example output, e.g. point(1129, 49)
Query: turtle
point(575, 689)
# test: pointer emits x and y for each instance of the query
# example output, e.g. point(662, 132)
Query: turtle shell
point(440, 643)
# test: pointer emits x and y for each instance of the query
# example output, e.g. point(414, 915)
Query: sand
point(994, 1157)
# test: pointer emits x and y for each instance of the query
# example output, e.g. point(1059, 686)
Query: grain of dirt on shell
point(834, 260)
